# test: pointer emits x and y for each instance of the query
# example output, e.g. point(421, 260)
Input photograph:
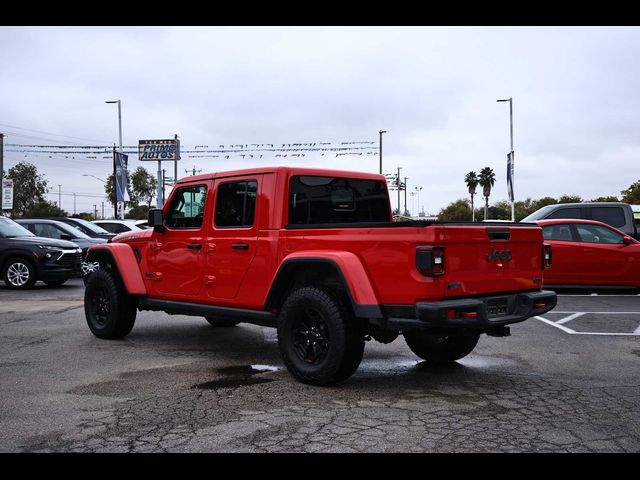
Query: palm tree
point(472, 182)
point(486, 179)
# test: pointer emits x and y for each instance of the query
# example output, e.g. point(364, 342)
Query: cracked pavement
point(176, 384)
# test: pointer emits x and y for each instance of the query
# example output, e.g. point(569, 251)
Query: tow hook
point(499, 332)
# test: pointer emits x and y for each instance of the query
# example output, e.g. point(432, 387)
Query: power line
point(50, 133)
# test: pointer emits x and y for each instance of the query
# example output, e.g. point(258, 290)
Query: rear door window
point(236, 204)
point(566, 213)
point(560, 231)
point(613, 216)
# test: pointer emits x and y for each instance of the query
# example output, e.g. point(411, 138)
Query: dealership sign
point(7, 194)
point(159, 150)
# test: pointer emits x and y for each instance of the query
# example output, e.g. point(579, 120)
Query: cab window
point(598, 234)
point(566, 213)
point(614, 216)
point(187, 208)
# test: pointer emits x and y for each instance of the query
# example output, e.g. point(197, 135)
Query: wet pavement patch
point(238, 376)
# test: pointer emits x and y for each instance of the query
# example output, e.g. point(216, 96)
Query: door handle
point(194, 246)
point(240, 246)
point(588, 250)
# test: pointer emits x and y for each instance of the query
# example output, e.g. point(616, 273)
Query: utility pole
point(74, 203)
point(398, 180)
point(163, 175)
point(418, 192)
point(59, 196)
point(413, 209)
point(95, 211)
point(102, 210)
point(405, 195)
point(175, 163)
point(1, 156)
point(380, 155)
point(194, 170)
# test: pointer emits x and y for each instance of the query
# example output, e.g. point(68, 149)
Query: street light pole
point(418, 190)
point(398, 181)
point(405, 195)
point(124, 173)
point(380, 154)
point(513, 207)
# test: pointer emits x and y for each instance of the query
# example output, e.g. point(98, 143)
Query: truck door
point(233, 235)
point(176, 255)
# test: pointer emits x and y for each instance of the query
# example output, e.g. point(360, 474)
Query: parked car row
point(52, 249)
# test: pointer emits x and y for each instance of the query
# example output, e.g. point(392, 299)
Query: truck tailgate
point(482, 260)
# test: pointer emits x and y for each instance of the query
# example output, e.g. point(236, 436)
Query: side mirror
point(65, 236)
point(155, 219)
point(627, 240)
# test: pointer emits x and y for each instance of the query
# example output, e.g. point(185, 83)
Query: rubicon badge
point(499, 256)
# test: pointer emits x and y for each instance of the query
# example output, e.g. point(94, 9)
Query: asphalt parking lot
point(568, 381)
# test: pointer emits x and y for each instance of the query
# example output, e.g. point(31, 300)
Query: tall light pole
point(122, 180)
point(398, 181)
point(413, 209)
point(418, 191)
point(405, 195)
point(381, 132)
point(60, 196)
point(513, 204)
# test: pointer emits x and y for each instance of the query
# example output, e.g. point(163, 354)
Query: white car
point(118, 226)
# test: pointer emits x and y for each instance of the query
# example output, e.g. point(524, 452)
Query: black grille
point(70, 260)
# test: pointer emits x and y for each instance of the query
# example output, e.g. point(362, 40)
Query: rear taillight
point(430, 260)
point(546, 256)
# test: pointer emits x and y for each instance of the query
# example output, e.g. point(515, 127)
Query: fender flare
point(124, 261)
point(348, 267)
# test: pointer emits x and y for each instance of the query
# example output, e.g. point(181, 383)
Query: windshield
point(74, 232)
point(538, 214)
point(90, 226)
point(9, 228)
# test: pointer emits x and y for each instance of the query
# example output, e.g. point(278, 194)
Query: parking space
point(176, 384)
point(596, 313)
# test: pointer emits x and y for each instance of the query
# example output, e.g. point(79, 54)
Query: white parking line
point(636, 332)
point(602, 313)
point(570, 317)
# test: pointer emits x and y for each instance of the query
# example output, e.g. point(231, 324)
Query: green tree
point(458, 211)
point(143, 187)
point(632, 194)
point(500, 210)
point(29, 187)
point(44, 208)
point(524, 208)
point(84, 215)
point(472, 183)
point(609, 198)
point(570, 199)
point(138, 212)
point(543, 202)
point(486, 179)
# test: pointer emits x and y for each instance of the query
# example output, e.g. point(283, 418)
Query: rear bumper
point(482, 313)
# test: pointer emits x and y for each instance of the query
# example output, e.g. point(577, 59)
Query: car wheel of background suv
point(19, 273)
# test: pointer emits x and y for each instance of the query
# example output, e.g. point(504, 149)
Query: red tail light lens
point(430, 260)
point(546, 256)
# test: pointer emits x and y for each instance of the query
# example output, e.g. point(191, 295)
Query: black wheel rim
point(310, 336)
point(101, 306)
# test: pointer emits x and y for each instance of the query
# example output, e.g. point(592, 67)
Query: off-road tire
point(55, 283)
point(221, 322)
point(440, 349)
point(342, 343)
point(109, 311)
point(19, 273)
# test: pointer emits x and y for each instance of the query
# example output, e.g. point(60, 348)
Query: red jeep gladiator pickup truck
point(315, 254)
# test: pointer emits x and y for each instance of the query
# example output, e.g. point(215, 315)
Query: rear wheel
point(320, 340)
point(109, 311)
point(19, 273)
point(440, 349)
point(221, 322)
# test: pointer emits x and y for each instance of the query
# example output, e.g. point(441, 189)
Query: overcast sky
point(576, 101)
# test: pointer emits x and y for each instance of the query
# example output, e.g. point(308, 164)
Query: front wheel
point(320, 340)
point(109, 311)
point(19, 273)
point(440, 349)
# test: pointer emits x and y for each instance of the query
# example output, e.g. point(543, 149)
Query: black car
point(88, 228)
point(62, 231)
point(25, 258)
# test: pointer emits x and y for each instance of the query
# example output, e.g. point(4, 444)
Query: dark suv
point(25, 258)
